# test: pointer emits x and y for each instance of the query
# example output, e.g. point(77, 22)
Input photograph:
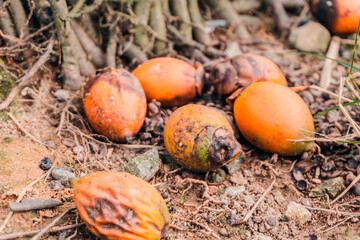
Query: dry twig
point(248, 215)
point(48, 227)
point(26, 78)
point(29, 233)
point(20, 197)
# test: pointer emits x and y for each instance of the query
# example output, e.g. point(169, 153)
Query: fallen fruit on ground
point(118, 205)
point(171, 81)
point(339, 16)
point(115, 103)
point(274, 118)
point(200, 138)
point(242, 70)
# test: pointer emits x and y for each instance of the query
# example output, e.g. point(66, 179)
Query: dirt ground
point(62, 127)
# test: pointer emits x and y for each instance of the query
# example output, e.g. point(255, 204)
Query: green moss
point(6, 84)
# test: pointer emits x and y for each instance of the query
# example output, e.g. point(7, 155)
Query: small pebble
point(233, 191)
point(306, 202)
point(62, 95)
point(223, 232)
point(272, 221)
point(297, 213)
point(63, 175)
point(78, 149)
point(56, 185)
point(262, 237)
point(45, 163)
point(220, 175)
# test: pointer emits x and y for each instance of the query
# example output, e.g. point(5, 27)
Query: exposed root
point(93, 52)
point(142, 12)
point(158, 24)
point(180, 9)
point(199, 33)
point(70, 65)
point(19, 17)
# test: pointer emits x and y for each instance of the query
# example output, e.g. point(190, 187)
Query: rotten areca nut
point(171, 81)
point(118, 205)
point(274, 118)
point(242, 70)
point(339, 16)
point(115, 103)
point(200, 138)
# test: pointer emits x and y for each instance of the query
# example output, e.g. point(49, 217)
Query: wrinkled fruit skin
point(118, 205)
point(243, 70)
point(200, 138)
point(115, 104)
point(269, 114)
point(339, 16)
point(168, 80)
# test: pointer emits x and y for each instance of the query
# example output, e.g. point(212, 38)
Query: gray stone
point(78, 149)
point(272, 221)
point(311, 37)
point(62, 95)
point(144, 166)
point(63, 175)
point(220, 175)
point(306, 202)
point(56, 185)
point(233, 191)
point(262, 237)
point(232, 49)
point(235, 165)
point(297, 213)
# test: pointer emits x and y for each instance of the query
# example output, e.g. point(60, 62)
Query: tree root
point(199, 33)
point(6, 23)
point(95, 53)
point(142, 12)
point(180, 9)
point(225, 10)
point(158, 24)
point(19, 17)
point(70, 65)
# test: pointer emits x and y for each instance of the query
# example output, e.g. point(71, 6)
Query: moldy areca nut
point(115, 103)
point(118, 205)
point(242, 70)
point(200, 138)
point(339, 16)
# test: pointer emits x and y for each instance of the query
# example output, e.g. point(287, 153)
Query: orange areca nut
point(200, 138)
point(171, 81)
point(243, 70)
point(119, 205)
point(339, 16)
point(115, 103)
point(274, 118)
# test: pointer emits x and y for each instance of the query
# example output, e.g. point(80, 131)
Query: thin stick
point(248, 215)
point(333, 211)
point(47, 228)
point(330, 93)
point(336, 225)
point(347, 189)
point(26, 78)
point(333, 52)
point(23, 129)
point(29, 233)
point(21, 195)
